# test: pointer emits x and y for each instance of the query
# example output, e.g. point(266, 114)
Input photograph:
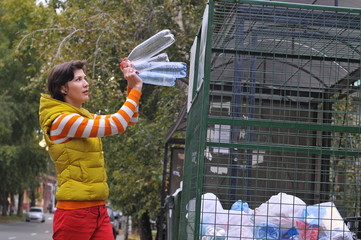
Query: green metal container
point(273, 107)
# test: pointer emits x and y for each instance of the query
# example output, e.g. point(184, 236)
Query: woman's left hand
point(130, 74)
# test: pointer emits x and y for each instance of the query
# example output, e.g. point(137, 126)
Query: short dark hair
point(61, 74)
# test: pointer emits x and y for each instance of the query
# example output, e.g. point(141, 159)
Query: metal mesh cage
point(273, 123)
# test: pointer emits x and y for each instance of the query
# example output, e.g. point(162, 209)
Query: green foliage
point(7, 117)
point(103, 32)
point(21, 158)
point(344, 170)
point(19, 165)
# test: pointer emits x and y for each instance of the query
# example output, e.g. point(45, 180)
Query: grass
point(136, 236)
point(10, 218)
point(133, 237)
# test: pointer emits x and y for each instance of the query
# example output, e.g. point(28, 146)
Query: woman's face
point(76, 90)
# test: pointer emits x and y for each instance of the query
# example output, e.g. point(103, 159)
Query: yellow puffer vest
point(79, 163)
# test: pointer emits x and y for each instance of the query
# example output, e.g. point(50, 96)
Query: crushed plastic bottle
point(163, 57)
point(156, 69)
point(152, 46)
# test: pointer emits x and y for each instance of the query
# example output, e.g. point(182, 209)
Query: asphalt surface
point(21, 230)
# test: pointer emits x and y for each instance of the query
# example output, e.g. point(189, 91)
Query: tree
point(102, 32)
point(344, 170)
point(20, 159)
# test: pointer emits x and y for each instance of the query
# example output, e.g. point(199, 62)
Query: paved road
point(22, 230)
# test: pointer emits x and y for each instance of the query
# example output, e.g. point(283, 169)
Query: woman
point(72, 135)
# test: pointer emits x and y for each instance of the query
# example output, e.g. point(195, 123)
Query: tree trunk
point(160, 230)
point(144, 227)
point(12, 204)
point(5, 204)
point(126, 230)
point(32, 197)
point(20, 204)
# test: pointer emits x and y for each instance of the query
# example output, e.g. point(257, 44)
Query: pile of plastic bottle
point(157, 69)
point(283, 216)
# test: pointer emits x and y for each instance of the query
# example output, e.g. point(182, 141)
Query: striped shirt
point(72, 125)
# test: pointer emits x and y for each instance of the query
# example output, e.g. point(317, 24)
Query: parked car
point(113, 221)
point(118, 216)
point(35, 214)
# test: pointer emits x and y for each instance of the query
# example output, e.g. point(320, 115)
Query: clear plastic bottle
point(163, 57)
point(175, 69)
point(152, 46)
point(159, 79)
point(156, 69)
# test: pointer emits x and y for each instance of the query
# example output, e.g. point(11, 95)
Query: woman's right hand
point(130, 74)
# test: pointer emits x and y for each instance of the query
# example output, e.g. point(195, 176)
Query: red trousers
point(82, 224)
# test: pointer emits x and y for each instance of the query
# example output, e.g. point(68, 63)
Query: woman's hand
point(130, 74)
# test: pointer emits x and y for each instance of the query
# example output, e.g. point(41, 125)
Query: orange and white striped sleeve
point(132, 121)
point(72, 125)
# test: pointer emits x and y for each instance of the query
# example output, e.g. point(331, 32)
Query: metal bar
point(307, 34)
point(345, 81)
point(285, 55)
point(204, 116)
point(285, 149)
point(326, 143)
point(164, 192)
point(279, 15)
point(250, 113)
point(237, 101)
point(294, 5)
point(284, 125)
point(265, 89)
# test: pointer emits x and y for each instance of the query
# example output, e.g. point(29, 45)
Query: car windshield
point(110, 211)
point(111, 214)
point(35, 210)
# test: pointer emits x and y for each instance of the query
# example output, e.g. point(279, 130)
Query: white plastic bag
point(212, 214)
point(239, 224)
point(234, 224)
point(326, 217)
point(281, 210)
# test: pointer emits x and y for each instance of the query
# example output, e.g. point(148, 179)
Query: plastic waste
point(156, 69)
point(213, 214)
point(283, 217)
point(235, 224)
point(240, 206)
point(306, 231)
point(281, 209)
point(212, 233)
point(312, 215)
point(326, 218)
point(291, 233)
point(152, 46)
point(175, 69)
point(162, 57)
point(161, 73)
point(158, 79)
point(239, 224)
point(266, 230)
